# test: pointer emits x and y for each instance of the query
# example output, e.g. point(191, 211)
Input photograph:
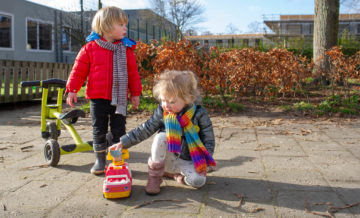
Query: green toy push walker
point(51, 120)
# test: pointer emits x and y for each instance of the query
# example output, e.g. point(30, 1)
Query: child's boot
point(156, 171)
point(100, 162)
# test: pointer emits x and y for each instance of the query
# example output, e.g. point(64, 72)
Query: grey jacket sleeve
point(144, 130)
point(206, 132)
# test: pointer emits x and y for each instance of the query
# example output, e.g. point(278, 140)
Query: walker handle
point(45, 83)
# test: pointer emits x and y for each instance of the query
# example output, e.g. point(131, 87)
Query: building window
point(39, 35)
point(294, 29)
point(75, 44)
point(219, 43)
point(6, 30)
point(132, 35)
point(65, 39)
point(344, 28)
point(245, 42)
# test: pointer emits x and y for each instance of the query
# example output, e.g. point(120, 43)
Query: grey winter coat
point(156, 124)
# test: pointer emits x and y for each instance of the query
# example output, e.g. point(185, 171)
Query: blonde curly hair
point(178, 84)
point(106, 17)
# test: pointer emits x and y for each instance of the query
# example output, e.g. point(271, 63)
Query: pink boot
point(156, 171)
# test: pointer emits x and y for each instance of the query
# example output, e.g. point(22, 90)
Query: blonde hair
point(106, 17)
point(180, 84)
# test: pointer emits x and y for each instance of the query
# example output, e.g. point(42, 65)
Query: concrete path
point(274, 165)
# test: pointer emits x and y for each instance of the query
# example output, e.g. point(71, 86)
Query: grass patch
point(303, 106)
point(215, 103)
point(331, 105)
point(236, 107)
point(147, 103)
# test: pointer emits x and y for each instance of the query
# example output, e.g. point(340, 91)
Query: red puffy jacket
point(95, 64)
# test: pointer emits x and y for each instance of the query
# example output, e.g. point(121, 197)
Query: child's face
point(172, 105)
point(118, 32)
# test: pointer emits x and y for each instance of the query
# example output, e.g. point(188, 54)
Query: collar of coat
point(127, 42)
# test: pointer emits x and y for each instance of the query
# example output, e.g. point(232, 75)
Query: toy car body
point(118, 179)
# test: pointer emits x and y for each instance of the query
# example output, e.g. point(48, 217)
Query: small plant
point(217, 104)
point(325, 107)
point(86, 107)
point(146, 104)
point(303, 106)
point(334, 104)
point(235, 107)
point(286, 108)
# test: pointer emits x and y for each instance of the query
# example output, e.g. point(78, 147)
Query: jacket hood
point(127, 42)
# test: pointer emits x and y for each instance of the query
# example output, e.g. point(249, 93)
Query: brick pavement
point(280, 166)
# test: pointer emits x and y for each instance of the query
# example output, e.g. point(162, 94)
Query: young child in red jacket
point(108, 64)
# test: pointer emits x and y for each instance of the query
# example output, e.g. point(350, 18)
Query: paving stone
point(276, 163)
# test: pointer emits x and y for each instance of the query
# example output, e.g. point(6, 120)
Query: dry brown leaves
point(242, 201)
point(239, 71)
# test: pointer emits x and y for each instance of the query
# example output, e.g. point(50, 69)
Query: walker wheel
point(52, 152)
point(52, 129)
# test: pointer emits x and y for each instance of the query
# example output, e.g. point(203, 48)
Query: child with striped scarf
point(184, 144)
point(108, 64)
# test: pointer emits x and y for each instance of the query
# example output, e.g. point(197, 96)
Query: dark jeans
point(101, 110)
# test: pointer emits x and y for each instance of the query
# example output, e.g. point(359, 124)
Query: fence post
point(24, 95)
point(7, 81)
point(31, 76)
point(38, 77)
point(16, 81)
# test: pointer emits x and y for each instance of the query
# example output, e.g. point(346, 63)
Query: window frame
point(72, 49)
point(38, 21)
point(69, 40)
point(12, 32)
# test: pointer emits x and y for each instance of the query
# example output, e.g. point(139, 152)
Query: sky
point(218, 16)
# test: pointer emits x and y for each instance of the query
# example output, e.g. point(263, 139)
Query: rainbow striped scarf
point(173, 125)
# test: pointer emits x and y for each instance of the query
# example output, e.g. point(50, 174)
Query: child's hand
point(135, 101)
point(117, 146)
point(72, 97)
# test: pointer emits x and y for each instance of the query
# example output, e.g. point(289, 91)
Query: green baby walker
point(51, 120)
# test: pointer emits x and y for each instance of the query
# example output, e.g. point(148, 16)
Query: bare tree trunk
point(326, 25)
point(99, 4)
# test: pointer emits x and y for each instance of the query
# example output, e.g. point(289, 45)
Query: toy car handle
point(125, 154)
point(45, 83)
point(117, 176)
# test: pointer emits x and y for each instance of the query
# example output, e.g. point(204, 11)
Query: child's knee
point(195, 181)
point(161, 137)
point(159, 148)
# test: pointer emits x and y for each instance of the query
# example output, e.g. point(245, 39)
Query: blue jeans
point(101, 112)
